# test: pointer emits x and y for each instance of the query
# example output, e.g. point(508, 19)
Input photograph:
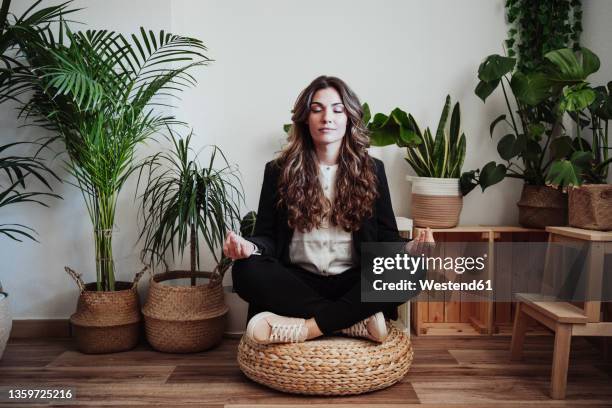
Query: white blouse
point(327, 250)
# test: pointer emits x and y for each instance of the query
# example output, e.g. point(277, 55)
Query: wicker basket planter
point(184, 319)
point(328, 366)
point(106, 322)
point(590, 207)
point(542, 206)
point(5, 321)
point(436, 202)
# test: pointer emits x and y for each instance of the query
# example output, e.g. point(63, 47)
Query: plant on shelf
point(537, 131)
point(184, 202)
point(100, 93)
point(437, 161)
point(581, 159)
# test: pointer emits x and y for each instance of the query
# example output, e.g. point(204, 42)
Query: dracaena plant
point(535, 113)
point(184, 201)
point(100, 92)
point(439, 156)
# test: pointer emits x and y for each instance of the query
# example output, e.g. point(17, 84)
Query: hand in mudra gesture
point(236, 247)
point(422, 244)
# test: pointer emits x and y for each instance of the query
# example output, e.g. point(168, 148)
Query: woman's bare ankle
point(313, 329)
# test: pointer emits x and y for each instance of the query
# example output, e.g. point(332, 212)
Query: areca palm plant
point(100, 93)
point(183, 201)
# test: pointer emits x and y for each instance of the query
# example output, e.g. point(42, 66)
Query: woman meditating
point(321, 198)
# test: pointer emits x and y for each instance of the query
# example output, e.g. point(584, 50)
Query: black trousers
point(334, 301)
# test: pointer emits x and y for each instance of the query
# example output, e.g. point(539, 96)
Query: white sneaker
point(373, 328)
point(267, 328)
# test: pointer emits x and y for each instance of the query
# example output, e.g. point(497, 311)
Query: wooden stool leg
point(558, 381)
point(518, 332)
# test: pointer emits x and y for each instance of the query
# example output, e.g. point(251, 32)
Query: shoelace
point(359, 329)
point(286, 332)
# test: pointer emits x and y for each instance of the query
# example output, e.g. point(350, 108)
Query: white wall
point(392, 53)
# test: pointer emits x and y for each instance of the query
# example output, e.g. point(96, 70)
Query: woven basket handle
point(139, 275)
point(76, 277)
point(216, 276)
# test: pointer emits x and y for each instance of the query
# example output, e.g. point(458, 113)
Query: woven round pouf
point(328, 366)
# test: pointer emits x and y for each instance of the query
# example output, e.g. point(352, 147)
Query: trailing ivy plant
point(538, 27)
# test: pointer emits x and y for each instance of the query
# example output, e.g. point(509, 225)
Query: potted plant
point(538, 136)
point(584, 161)
point(437, 197)
point(182, 203)
point(238, 307)
point(19, 170)
point(96, 90)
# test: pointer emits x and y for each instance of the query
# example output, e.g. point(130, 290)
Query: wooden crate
point(453, 315)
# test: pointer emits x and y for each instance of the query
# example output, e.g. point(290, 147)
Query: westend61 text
point(476, 285)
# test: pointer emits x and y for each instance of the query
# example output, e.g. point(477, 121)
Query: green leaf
point(536, 130)
point(532, 88)
point(532, 151)
point(495, 122)
point(563, 173)
point(507, 147)
point(576, 99)
point(491, 174)
point(590, 62)
point(561, 147)
point(484, 89)
point(366, 113)
point(286, 127)
point(494, 67)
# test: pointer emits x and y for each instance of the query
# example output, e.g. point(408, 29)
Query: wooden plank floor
point(459, 372)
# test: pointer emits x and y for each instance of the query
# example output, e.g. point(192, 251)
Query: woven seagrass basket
point(106, 322)
point(590, 207)
point(542, 206)
point(328, 366)
point(435, 202)
point(185, 319)
point(436, 211)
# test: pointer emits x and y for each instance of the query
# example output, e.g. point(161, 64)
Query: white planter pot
point(436, 203)
point(237, 315)
point(6, 321)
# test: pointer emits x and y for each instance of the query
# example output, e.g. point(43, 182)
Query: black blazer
point(273, 235)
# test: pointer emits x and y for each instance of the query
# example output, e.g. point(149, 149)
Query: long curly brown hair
point(299, 188)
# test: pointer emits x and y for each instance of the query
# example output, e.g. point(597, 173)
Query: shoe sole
point(251, 325)
point(381, 326)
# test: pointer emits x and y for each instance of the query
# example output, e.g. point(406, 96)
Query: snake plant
point(441, 156)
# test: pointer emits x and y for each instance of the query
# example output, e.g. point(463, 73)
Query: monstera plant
point(535, 118)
